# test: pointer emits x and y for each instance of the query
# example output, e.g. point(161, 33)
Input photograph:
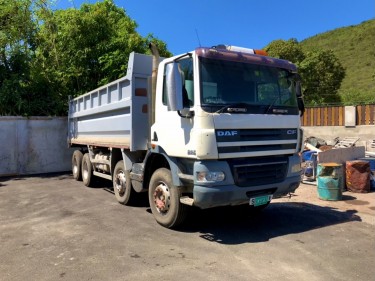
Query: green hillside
point(355, 48)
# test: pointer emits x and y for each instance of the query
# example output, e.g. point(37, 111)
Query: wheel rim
point(120, 182)
point(85, 172)
point(75, 167)
point(162, 198)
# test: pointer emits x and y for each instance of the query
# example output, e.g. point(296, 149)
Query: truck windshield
point(240, 87)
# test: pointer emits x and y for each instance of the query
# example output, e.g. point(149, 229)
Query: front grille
point(252, 141)
point(259, 171)
point(233, 135)
point(255, 148)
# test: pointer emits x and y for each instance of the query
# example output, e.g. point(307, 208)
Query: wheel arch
point(116, 156)
point(82, 148)
point(156, 161)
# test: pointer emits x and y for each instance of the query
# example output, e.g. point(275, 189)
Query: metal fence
point(335, 115)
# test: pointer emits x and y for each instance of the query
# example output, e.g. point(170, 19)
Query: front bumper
point(236, 192)
point(226, 195)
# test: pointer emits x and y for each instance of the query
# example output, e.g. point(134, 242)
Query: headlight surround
point(208, 176)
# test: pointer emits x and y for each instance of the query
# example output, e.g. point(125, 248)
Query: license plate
point(261, 200)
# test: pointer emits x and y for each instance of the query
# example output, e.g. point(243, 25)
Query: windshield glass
point(252, 88)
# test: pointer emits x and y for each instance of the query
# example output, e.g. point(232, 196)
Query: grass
point(355, 48)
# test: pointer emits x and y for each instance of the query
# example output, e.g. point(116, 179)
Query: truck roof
point(223, 54)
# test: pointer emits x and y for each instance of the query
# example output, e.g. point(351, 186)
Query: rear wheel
point(76, 165)
point(122, 184)
point(164, 200)
point(86, 170)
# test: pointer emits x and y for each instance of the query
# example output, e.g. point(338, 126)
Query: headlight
point(296, 168)
point(208, 176)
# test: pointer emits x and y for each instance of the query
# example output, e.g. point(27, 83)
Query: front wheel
point(122, 184)
point(164, 200)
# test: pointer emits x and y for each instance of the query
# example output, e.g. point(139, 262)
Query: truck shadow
point(236, 225)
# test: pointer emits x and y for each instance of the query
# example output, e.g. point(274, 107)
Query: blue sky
point(245, 23)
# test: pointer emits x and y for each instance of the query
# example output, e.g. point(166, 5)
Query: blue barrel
point(371, 160)
point(330, 180)
point(306, 155)
point(372, 184)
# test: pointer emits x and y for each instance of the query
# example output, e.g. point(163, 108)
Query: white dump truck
point(217, 126)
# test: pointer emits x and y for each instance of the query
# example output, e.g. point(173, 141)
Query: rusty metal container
point(358, 174)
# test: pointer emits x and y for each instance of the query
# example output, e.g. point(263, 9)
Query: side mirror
point(301, 104)
point(174, 87)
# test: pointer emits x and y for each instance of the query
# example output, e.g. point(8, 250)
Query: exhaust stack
point(155, 65)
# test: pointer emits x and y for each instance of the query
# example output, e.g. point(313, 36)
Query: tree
point(322, 74)
point(81, 49)
point(47, 55)
point(17, 31)
point(288, 50)
point(321, 71)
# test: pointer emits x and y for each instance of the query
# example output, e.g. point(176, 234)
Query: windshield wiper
point(277, 110)
point(271, 105)
point(239, 107)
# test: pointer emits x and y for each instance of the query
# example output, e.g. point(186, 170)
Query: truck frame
point(213, 127)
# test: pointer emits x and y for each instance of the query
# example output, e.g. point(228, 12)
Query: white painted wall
point(33, 145)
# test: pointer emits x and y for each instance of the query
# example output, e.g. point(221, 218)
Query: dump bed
point(114, 115)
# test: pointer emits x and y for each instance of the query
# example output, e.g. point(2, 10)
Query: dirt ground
point(362, 203)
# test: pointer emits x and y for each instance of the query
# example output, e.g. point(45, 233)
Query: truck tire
point(164, 199)
point(76, 165)
point(122, 184)
point(86, 170)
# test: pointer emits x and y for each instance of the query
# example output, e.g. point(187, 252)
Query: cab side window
point(186, 70)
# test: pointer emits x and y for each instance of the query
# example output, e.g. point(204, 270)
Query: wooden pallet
point(346, 142)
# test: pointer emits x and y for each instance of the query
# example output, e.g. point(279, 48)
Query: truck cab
point(230, 119)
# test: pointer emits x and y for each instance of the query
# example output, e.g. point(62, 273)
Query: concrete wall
point(38, 144)
point(33, 145)
point(365, 133)
point(341, 155)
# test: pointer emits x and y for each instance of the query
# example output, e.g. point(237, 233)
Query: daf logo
point(226, 133)
point(291, 132)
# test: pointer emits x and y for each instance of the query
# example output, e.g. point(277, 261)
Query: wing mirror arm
point(300, 102)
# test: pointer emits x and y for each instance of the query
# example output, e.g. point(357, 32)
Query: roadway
point(54, 228)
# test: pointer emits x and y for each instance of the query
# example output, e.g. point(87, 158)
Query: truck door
point(173, 128)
